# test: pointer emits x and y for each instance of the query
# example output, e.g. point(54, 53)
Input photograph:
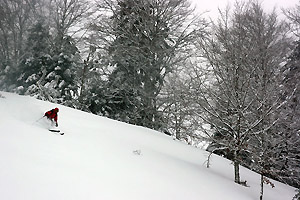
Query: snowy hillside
point(101, 159)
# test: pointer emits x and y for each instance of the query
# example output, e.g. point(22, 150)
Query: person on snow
point(52, 115)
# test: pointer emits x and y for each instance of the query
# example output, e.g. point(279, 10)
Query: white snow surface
point(102, 159)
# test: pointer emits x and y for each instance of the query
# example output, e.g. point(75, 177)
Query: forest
point(232, 82)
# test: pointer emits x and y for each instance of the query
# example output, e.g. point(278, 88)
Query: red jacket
point(52, 114)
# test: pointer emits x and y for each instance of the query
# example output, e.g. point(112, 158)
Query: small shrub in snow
point(137, 152)
point(297, 196)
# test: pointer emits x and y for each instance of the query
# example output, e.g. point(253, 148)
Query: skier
point(52, 115)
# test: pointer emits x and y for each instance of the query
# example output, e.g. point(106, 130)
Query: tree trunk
point(261, 186)
point(83, 77)
point(237, 172)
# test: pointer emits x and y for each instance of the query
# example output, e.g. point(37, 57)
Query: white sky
point(212, 5)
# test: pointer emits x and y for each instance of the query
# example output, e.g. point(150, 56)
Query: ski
point(57, 131)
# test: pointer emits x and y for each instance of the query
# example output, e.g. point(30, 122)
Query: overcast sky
point(212, 5)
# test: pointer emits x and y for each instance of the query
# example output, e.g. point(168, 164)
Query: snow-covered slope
point(99, 158)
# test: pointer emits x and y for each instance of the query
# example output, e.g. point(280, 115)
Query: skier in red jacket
point(52, 115)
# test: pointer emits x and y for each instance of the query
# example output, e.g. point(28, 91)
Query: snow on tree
point(61, 82)
point(244, 54)
point(145, 38)
point(289, 115)
point(36, 60)
point(16, 18)
point(287, 149)
point(178, 108)
point(48, 70)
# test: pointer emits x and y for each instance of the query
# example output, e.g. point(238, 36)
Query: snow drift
point(99, 158)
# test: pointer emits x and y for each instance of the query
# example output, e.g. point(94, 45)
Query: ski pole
point(40, 118)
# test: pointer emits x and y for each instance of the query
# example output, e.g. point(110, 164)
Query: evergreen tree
point(287, 167)
point(36, 60)
point(297, 196)
point(49, 67)
point(146, 37)
point(137, 52)
point(61, 83)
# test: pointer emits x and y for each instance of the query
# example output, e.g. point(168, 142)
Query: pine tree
point(287, 167)
point(297, 196)
point(49, 67)
point(36, 61)
point(146, 38)
point(61, 84)
point(137, 52)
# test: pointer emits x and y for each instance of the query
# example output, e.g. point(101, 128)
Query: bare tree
point(15, 19)
point(293, 16)
point(243, 54)
point(68, 17)
point(177, 107)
